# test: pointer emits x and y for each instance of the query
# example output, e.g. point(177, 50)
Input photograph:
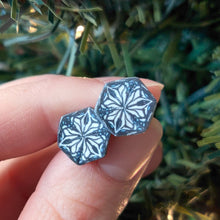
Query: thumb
point(98, 190)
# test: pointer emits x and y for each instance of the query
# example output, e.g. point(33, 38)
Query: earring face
point(82, 136)
point(126, 106)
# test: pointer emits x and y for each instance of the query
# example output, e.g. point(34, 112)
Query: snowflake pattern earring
point(125, 107)
point(82, 136)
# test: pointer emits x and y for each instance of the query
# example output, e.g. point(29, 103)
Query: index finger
point(31, 109)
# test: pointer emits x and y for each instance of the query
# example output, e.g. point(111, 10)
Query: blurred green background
point(176, 42)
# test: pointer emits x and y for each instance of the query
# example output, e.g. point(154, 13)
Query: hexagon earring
point(126, 106)
point(82, 136)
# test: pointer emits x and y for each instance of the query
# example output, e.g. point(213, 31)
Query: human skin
point(38, 181)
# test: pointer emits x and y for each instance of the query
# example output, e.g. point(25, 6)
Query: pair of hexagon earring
point(125, 107)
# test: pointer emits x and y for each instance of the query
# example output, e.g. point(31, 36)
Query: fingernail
point(155, 84)
point(127, 155)
point(147, 82)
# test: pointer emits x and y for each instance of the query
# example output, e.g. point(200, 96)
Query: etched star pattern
point(126, 106)
point(82, 136)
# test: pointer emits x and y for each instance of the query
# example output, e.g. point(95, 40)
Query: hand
point(38, 181)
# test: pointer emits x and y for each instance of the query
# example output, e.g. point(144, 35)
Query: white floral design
point(126, 106)
point(82, 136)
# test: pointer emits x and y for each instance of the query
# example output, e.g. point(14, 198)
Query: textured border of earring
point(125, 107)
